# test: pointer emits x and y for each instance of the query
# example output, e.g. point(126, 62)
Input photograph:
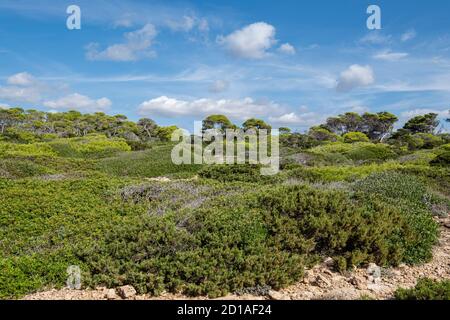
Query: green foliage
point(92, 146)
point(442, 159)
point(425, 289)
point(154, 162)
point(322, 134)
point(411, 197)
point(424, 123)
point(352, 137)
point(334, 223)
point(359, 151)
point(243, 172)
point(429, 141)
point(25, 150)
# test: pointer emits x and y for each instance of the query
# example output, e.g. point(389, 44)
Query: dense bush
point(429, 141)
point(244, 173)
point(442, 159)
point(25, 150)
point(92, 146)
point(426, 289)
point(354, 230)
point(409, 195)
point(359, 151)
point(154, 162)
point(352, 137)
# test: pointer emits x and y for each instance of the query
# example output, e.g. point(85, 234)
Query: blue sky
point(292, 63)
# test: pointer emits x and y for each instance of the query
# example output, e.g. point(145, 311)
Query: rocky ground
point(319, 283)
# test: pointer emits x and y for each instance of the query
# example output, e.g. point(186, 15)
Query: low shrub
point(243, 173)
point(352, 137)
point(425, 289)
point(91, 146)
point(442, 159)
point(411, 197)
point(10, 150)
point(353, 229)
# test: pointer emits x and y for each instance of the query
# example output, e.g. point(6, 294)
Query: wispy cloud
point(137, 45)
point(388, 55)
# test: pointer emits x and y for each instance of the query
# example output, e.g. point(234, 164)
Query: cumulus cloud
point(137, 45)
point(219, 86)
point(21, 79)
point(287, 48)
point(79, 102)
point(355, 76)
point(21, 87)
point(251, 42)
point(294, 119)
point(408, 35)
point(238, 109)
point(388, 55)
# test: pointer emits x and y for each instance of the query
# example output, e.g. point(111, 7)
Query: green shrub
point(411, 197)
point(352, 137)
point(358, 151)
point(430, 141)
point(154, 162)
point(425, 289)
point(371, 152)
point(92, 146)
point(21, 168)
point(25, 150)
point(244, 173)
point(442, 159)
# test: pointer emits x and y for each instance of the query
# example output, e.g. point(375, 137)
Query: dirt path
point(319, 282)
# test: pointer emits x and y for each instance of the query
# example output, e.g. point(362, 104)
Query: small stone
point(110, 294)
point(329, 262)
point(374, 272)
point(126, 292)
point(274, 295)
point(358, 282)
point(322, 282)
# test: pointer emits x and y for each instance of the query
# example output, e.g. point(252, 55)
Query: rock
point(329, 262)
point(275, 295)
point(322, 282)
point(110, 294)
point(374, 273)
point(126, 292)
point(358, 282)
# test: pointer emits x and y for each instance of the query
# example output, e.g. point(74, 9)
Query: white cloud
point(21, 79)
point(355, 76)
point(219, 86)
point(186, 24)
point(375, 37)
point(287, 49)
point(4, 106)
point(408, 35)
point(238, 109)
point(250, 42)
point(294, 119)
point(137, 45)
point(80, 102)
point(388, 55)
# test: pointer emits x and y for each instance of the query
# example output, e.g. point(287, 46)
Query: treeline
point(18, 124)
point(419, 132)
point(21, 125)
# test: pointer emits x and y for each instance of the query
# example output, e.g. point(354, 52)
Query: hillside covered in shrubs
point(86, 190)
